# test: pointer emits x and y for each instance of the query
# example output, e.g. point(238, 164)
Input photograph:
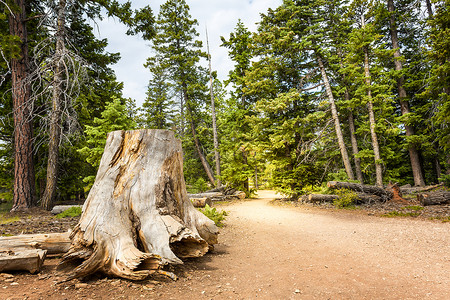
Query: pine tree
point(178, 51)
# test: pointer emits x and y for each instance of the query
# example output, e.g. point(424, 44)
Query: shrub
point(74, 211)
point(347, 198)
point(214, 215)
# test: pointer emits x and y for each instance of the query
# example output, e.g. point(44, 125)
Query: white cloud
point(220, 16)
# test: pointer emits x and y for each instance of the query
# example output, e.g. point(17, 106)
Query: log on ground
point(361, 188)
point(22, 260)
point(314, 198)
point(138, 215)
point(434, 198)
point(53, 243)
point(201, 202)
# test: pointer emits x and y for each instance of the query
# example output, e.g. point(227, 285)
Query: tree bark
point(434, 198)
point(55, 115)
point(24, 181)
point(337, 124)
point(138, 215)
point(404, 104)
point(213, 113)
point(429, 8)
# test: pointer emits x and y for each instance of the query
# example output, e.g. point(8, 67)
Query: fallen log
point(60, 208)
point(53, 243)
point(22, 260)
point(138, 216)
point(206, 195)
point(408, 189)
point(313, 198)
point(362, 198)
point(434, 198)
point(362, 188)
point(201, 202)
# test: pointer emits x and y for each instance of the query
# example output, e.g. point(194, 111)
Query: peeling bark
point(138, 215)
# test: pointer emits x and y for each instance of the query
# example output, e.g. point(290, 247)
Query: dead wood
point(408, 189)
point(201, 202)
point(53, 243)
point(22, 260)
point(138, 214)
point(434, 198)
point(362, 188)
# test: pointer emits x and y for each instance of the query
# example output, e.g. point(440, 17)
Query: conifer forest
point(347, 90)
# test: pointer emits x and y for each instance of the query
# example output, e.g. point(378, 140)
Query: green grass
point(70, 213)
point(414, 207)
point(394, 214)
point(8, 220)
point(443, 219)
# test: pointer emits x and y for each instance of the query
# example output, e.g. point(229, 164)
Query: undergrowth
point(395, 213)
point(8, 220)
point(214, 215)
point(74, 211)
point(347, 198)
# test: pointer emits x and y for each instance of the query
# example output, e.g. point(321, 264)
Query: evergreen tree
point(178, 52)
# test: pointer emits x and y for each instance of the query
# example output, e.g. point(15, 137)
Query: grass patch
point(214, 214)
point(394, 214)
point(74, 211)
point(8, 220)
point(442, 219)
point(414, 207)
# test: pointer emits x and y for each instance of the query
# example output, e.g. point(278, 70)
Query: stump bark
point(138, 215)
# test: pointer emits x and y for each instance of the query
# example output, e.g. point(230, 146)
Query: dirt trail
point(274, 252)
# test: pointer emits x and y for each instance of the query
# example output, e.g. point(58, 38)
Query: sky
point(218, 16)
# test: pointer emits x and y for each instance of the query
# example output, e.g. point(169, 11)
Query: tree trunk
point(55, 115)
point(429, 8)
point(361, 188)
point(337, 124)
point(53, 243)
point(351, 125)
point(213, 113)
point(404, 104)
point(138, 215)
point(198, 147)
point(434, 198)
point(23, 260)
point(355, 150)
point(373, 134)
point(24, 189)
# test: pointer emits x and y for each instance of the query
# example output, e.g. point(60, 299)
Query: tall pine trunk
point(55, 115)
point(404, 104)
point(373, 134)
point(213, 113)
point(337, 125)
point(24, 185)
point(197, 144)
point(351, 125)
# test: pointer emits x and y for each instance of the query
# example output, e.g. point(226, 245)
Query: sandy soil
point(276, 252)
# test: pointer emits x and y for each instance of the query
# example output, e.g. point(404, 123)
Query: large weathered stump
point(138, 215)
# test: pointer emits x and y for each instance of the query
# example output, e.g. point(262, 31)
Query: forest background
point(322, 90)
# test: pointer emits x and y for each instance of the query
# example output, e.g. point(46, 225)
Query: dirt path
point(273, 252)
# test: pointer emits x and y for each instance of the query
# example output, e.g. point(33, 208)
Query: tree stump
point(138, 215)
point(434, 198)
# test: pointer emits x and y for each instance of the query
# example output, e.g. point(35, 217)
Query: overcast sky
point(220, 16)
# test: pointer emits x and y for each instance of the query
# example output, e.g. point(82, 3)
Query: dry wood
point(22, 260)
point(408, 189)
point(320, 198)
point(53, 243)
point(397, 195)
point(138, 215)
point(206, 195)
point(60, 208)
point(434, 198)
point(201, 202)
point(362, 188)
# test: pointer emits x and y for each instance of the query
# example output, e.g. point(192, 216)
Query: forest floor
point(276, 250)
